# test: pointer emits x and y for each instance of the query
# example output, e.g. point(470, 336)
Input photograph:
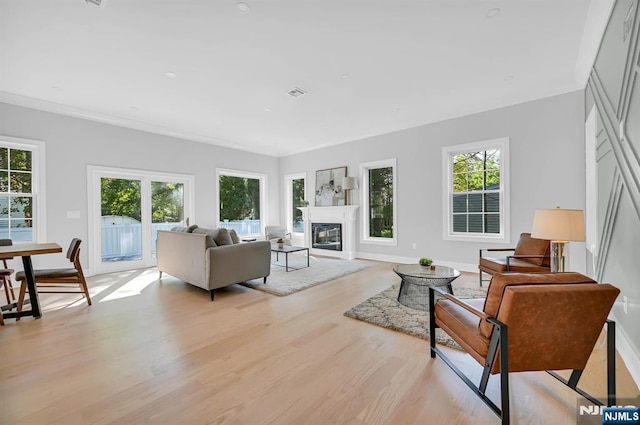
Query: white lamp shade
point(558, 225)
point(349, 183)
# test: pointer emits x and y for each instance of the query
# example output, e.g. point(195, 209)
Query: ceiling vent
point(100, 3)
point(296, 92)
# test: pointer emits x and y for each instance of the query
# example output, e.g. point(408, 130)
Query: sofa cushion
point(183, 229)
point(532, 246)
point(219, 236)
point(234, 236)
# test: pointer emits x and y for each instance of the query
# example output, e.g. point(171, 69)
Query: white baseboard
point(629, 353)
point(463, 267)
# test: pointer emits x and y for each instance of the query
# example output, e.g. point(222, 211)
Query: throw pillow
point(179, 229)
point(234, 236)
point(210, 242)
point(221, 236)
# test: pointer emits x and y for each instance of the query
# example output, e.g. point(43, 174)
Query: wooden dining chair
point(5, 275)
point(58, 281)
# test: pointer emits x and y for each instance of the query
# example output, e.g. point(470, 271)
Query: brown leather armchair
point(529, 256)
point(528, 322)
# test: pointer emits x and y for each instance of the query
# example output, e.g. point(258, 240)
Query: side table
point(416, 279)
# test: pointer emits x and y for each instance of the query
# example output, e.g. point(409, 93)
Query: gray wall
point(547, 170)
point(72, 144)
point(614, 88)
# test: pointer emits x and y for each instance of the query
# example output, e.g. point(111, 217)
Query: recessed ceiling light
point(55, 87)
point(509, 78)
point(135, 108)
point(242, 7)
point(493, 12)
point(170, 74)
point(344, 76)
point(267, 109)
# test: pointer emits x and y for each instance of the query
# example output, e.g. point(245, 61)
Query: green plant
point(280, 240)
point(304, 203)
point(425, 261)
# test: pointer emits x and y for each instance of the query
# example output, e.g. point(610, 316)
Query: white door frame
point(94, 174)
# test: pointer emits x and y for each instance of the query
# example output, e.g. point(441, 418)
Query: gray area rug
point(383, 309)
point(320, 270)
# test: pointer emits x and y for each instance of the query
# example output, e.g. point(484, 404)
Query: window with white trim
point(295, 190)
point(241, 201)
point(477, 177)
point(19, 184)
point(379, 200)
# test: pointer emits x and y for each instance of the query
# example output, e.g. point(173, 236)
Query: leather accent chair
point(529, 256)
point(60, 281)
point(528, 322)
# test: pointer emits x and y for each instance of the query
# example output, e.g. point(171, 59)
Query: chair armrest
point(523, 256)
point(495, 249)
point(460, 302)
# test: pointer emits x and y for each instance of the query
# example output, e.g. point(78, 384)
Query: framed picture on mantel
point(329, 187)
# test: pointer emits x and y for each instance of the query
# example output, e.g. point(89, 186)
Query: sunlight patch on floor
point(127, 287)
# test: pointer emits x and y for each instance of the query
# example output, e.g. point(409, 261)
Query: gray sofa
point(209, 258)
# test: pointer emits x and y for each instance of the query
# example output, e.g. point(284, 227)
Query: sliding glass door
point(128, 207)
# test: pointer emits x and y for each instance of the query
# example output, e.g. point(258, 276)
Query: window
point(241, 201)
point(20, 219)
point(379, 201)
point(477, 179)
point(295, 195)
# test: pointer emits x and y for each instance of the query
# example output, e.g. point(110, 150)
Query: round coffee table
point(416, 279)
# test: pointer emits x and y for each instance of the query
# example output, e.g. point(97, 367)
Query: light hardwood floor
point(162, 352)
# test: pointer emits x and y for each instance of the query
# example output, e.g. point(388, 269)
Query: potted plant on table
point(427, 262)
point(280, 243)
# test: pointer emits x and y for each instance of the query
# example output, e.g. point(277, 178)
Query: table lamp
point(348, 183)
point(559, 226)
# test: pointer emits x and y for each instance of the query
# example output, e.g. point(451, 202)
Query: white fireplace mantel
point(345, 215)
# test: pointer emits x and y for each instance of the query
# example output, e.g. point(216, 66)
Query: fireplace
point(337, 241)
point(326, 236)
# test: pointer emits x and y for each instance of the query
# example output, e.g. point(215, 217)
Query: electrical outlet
point(625, 304)
point(414, 245)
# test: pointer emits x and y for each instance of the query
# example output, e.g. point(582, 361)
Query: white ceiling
point(408, 63)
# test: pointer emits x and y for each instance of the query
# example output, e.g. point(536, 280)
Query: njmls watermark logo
point(625, 412)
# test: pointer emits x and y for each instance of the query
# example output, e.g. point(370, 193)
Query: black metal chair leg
point(211, 292)
point(432, 323)
point(504, 375)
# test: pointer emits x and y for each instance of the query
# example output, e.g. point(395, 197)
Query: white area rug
point(320, 270)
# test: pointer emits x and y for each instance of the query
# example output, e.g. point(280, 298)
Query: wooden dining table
point(26, 250)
